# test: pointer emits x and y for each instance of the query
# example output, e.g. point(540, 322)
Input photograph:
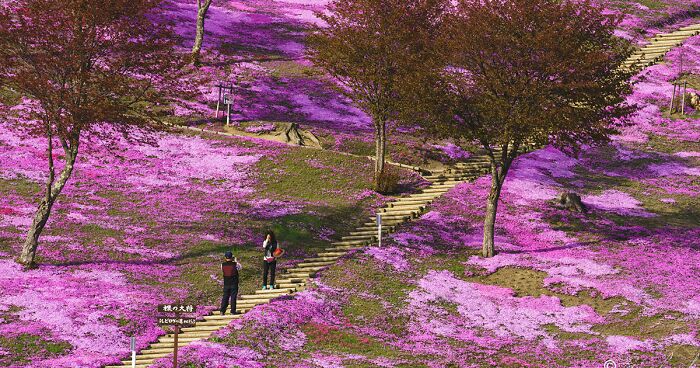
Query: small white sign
point(379, 229)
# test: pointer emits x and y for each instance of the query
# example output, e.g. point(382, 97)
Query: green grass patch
point(96, 231)
point(358, 147)
point(22, 187)
point(369, 276)
point(644, 327)
point(314, 175)
point(23, 348)
point(335, 340)
point(291, 69)
point(682, 355)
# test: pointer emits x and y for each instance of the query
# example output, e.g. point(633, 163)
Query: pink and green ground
point(139, 225)
point(566, 289)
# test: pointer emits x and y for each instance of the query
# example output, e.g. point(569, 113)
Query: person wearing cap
point(230, 268)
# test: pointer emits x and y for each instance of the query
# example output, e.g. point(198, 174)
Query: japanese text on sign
point(177, 308)
point(176, 321)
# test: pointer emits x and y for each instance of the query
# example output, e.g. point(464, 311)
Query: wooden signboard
point(177, 322)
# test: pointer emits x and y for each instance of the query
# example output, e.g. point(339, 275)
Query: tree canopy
point(85, 64)
point(520, 72)
point(376, 50)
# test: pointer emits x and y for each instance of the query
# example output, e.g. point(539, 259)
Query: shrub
point(387, 182)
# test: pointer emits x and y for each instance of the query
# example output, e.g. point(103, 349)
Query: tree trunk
point(488, 249)
point(41, 216)
point(380, 151)
point(498, 177)
point(199, 37)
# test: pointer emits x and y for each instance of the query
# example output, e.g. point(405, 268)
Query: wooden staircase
point(658, 46)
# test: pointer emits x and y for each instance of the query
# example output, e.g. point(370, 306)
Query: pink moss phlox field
point(628, 261)
point(617, 202)
point(487, 313)
point(393, 256)
point(88, 299)
point(131, 212)
point(83, 307)
point(210, 355)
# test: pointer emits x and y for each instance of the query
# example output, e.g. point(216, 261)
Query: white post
point(218, 101)
point(133, 352)
point(379, 228)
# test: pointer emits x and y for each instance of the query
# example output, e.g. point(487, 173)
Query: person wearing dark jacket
point(269, 260)
point(230, 269)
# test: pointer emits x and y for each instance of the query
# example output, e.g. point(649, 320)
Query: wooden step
point(309, 269)
point(484, 161)
point(673, 36)
point(183, 339)
point(670, 44)
point(373, 232)
point(187, 335)
point(315, 264)
point(169, 349)
point(245, 303)
point(349, 242)
point(401, 212)
point(690, 27)
point(392, 217)
point(411, 202)
point(327, 256)
point(347, 248)
point(283, 278)
point(148, 356)
point(215, 316)
point(680, 31)
point(139, 363)
point(169, 345)
point(406, 206)
point(260, 297)
point(390, 222)
point(323, 259)
point(649, 54)
point(202, 328)
point(298, 274)
point(385, 222)
point(367, 237)
point(385, 228)
point(288, 285)
point(219, 323)
point(442, 186)
point(428, 196)
point(437, 190)
point(275, 291)
point(326, 253)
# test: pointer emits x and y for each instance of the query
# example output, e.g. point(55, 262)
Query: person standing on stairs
point(269, 260)
point(230, 269)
